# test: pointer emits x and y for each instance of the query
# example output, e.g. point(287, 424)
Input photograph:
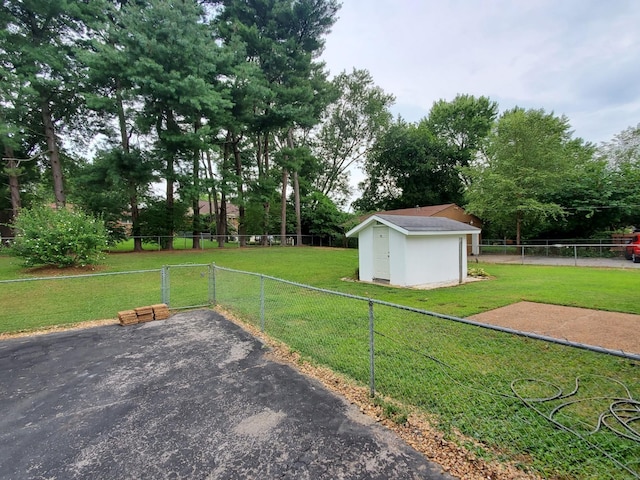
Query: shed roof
point(426, 211)
point(412, 225)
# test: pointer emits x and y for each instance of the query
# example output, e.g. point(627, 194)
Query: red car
point(632, 249)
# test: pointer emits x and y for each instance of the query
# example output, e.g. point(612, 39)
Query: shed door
point(381, 269)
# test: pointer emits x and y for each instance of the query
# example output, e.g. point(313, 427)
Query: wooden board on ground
point(127, 317)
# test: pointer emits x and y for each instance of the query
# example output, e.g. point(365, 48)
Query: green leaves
point(62, 237)
point(530, 155)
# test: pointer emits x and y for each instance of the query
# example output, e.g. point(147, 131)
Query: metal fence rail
point(510, 395)
point(30, 302)
point(559, 248)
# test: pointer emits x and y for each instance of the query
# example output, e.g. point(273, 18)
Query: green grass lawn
point(470, 380)
point(597, 288)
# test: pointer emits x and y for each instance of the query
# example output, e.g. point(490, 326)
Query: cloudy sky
point(580, 58)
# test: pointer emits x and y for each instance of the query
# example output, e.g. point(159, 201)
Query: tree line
point(228, 102)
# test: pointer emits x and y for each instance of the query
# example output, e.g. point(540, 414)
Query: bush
point(64, 238)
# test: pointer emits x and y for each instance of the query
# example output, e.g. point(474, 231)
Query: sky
point(578, 58)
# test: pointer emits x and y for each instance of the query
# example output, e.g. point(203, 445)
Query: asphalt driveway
point(188, 397)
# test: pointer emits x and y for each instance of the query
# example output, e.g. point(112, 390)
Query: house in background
point(233, 213)
point(412, 250)
point(448, 210)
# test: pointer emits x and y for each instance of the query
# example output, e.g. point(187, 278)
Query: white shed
point(412, 251)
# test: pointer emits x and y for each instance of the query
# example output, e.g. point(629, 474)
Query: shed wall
point(434, 259)
point(397, 257)
point(415, 259)
point(365, 254)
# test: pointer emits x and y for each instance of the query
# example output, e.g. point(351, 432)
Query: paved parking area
point(189, 397)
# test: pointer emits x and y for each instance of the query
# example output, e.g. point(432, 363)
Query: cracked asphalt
point(189, 397)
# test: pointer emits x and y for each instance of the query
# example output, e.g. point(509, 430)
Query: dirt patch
point(612, 330)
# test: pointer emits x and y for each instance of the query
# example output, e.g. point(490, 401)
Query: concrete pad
point(188, 397)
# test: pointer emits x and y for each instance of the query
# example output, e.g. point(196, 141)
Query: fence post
point(164, 274)
point(575, 255)
point(372, 376)
point(212, 284)
point(262, 303)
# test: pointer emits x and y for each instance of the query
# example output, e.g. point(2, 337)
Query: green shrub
point(64, 238)
point(477, 272)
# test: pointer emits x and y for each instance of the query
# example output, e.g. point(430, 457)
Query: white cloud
point(580, 58)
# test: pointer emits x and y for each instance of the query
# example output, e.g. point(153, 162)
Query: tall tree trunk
point(197, 225)
point(296, 197)
point(267, 204)
point(283, 210)
point(242, 228)
point(222, 226)
point(518, 226)
point(170, 201)
point(13, 171)
point(172, 127)
point(132, 186)
point(296, 194)
point(54, 155)
point(211, 192)
point(223, 220)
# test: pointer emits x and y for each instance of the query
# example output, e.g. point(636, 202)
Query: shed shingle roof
point(412, 225)
point(427, 224)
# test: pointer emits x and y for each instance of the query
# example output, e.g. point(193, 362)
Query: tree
point(38, 47)
point(109, 91)
point(529, 156)
point(112, 184)
point(176, 71)
point(283, 38)
point(408, 166)
point(622, 157)
point(423, 163)
point(322, 218)
point(463, 125)
point(350, 126)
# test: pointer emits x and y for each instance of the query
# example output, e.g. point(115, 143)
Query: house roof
point(427, 211)
point(206, 208)
point(416, 225)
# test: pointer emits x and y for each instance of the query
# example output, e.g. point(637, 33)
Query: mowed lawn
point(329, 268)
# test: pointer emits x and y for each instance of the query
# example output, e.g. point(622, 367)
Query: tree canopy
point(530, 156)
point(420, 164)
point(228, 101)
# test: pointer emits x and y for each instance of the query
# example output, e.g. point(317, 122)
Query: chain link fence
point(32, 302)
point(554, 408)
point(28, 303)
point(557, 409)
point(562, 248)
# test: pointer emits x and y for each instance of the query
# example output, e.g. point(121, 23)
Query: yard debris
point(128, 317)
point(145, 314)
point(159, 311)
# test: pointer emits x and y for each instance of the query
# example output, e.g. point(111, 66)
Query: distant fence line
point(207, 241)
point(556, 248)
point(494, 386)
point(545, 247)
